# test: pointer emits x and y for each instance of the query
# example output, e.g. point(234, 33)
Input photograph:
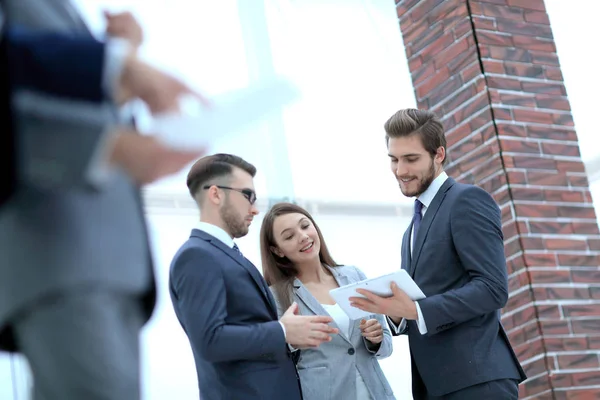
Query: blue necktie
point(416, 221)
point(236, 248)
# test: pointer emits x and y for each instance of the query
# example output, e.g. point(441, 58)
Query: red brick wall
point(491, 72)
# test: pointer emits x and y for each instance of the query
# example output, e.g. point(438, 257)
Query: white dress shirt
point(219, 233)
point(215, 231)
point(425, 198)
point(115, 54)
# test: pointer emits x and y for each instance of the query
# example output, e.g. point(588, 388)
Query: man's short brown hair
point(210, 168)
point(424, 123)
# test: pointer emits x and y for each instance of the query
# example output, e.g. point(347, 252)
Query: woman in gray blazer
point(299, 269)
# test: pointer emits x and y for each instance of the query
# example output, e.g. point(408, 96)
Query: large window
point(327, 151)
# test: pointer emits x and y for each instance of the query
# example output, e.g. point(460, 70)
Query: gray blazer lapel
point(307, 298)
point(343, 280)
point(426, 223)
point(315, 307)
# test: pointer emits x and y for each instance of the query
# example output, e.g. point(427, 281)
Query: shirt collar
point(427, 196)
point(216, 232)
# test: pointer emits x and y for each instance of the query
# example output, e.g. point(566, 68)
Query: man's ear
point(276, 251)
point(214, 195)
point(440, 155)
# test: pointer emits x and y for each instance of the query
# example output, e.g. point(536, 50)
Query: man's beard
point(424, 183)
point(235, 225)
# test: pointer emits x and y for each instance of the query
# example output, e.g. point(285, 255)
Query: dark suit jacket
point(230, 318)
point(55, 63)
point(56, 203)
point(458, 261)
point(8, 160)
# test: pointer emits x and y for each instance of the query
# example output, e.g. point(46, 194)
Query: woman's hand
point(371, 330)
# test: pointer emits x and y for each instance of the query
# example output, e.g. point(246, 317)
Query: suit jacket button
point(351, 351)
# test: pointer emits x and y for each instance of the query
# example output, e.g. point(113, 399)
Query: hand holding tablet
point(379, 286)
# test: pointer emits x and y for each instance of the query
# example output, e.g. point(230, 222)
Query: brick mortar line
point(452, 95)
point(484, 144)
point(557, 219)
point(470, 135)
point(463, 105)
point(538, 140)
point(422, 51)
point(526, 108)
point(466, 121)
point(575, 370)
point(572, 236)
point(492, 112)
point(553, 203)
point(548, 202)
point(536, 124)
point(529, 94)
point(556, 157)
point(574, 352)
point(542, 393)
point(562, 268)
point(580, 189)
point(522, 78)
point(519, 327)
point(571, 285)
point(550, 187)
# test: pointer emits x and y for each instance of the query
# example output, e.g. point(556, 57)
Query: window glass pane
point(348, 59)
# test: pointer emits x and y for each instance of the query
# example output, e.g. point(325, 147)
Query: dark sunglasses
point(247, 193)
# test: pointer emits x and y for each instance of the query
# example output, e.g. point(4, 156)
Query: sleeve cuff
point(100, 171)
point(116, 52)
point(421, 320)
point(397, 328)
point(292, 348)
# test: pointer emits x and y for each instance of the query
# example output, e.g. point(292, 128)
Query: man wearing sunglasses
point(222, 301)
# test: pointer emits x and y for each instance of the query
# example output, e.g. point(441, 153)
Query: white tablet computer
point(380, 286)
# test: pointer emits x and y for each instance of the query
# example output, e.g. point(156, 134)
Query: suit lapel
point(316, 308)
point(405, 252)
point(73, 15)
point(426, 223)
point(245, 263)
point(342, 280)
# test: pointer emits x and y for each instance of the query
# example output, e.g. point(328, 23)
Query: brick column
point(490, 70)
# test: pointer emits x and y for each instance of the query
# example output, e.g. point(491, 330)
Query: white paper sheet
point(198, 127)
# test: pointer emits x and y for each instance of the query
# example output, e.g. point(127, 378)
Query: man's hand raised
point(145, 159)
point(159, 90)
point(125, 26)
point(398, 306)
point(306, 331)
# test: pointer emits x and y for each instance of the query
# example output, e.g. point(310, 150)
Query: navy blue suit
point(230, 318)
point(458, 261)
point(56, 63)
